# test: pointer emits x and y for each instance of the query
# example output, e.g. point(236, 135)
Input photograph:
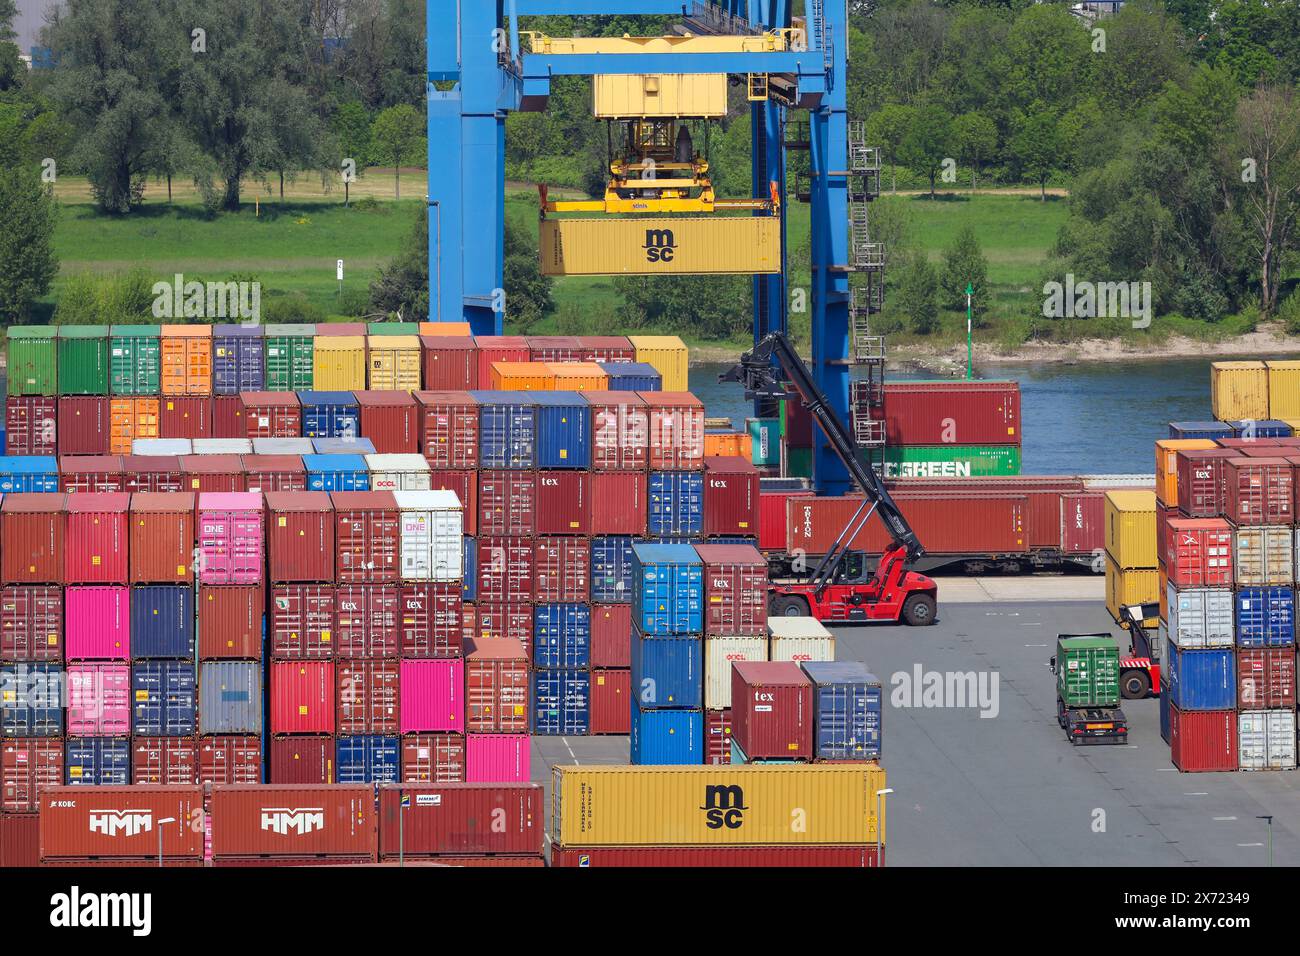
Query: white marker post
point(338, 270)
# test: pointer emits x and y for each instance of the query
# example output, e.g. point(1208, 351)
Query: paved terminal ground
point(1009, 789)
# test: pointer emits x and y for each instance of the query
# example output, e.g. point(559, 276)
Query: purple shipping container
point(432, 695)
point(97, 623)
point(237, 359)
point(230, 537)
point(99, 700)
point(497, 758)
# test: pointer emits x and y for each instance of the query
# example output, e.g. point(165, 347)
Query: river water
point(1091, 418)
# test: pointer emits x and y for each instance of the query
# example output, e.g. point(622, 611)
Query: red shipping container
point(101, 473)
point(676, 428)
point(620, 431)
point(735, 589)
point(28, 767)
point(302, 697)
point(367, 697)
point(449, 819)
point(953, 413)
point(505, 570)
point(611, 701)
point(433, 758)
point(294, 822)
point(771, 710)
point(730, 496)
point(1256, 451)
point(772, 517)
point(450, 362)
point(303, 760)
point(605, 348)
point(302, 624)
point(717, 737)
point(465, 485)
point(496, 686)
point(161, 541)
point(493, 620)
point(448, 429)
point(182, 416)
point(563, 502)
point(300, 536)
point(1260, 491)
point(561, 569)
point(618, 502)
point(1266, 678)
point(83, 425)
point(990, 523)
point(228, 417)
point(553, 348)
point(230, 760)
point(122, 823)
point(170, 761)
point(1042, 499)
point(749, 857)
point(367, 616)
point(1198, 552)
point(212, 473)
point(1240, 443)
point(95, 539)
point(469, 622)
point(267, 473)
point(161, 473)
point(498, 348)
point(1202, 740)
point(31, 529)
point(1083, 529)
point(20, 840)
point(366, 536)
point(611, 635)
point(507, 502)
point(271, 414)
point(31, 425)
point(31, 622)
point(391, 420)
point(342, 328)
point(430, 622)
point(230, 621)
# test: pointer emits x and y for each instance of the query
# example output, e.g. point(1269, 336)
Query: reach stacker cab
point(1087, 673)
point(1139, 673)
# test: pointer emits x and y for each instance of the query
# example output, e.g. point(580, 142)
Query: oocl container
point(293, 822)
point(431, 527)
point(300, 536)
point(31, 425)
point(290, 351)
point(667, 354)
point(620, 431)
point(32, 359)
point(438, 820)
point(390, 420)
point(122, 823)
point(230, 529)
point(719, 654)
point(1260, 491)
point(676, 428)
point(496, 686)
point(186, 359)
point(339, 362)
point(99, 700)
point(771, 708)
point(132, 418)
point(330, 415)
point(367, 536)
point(667, 589)
point(507, 429)
point(266, 473)
point(302, 622)
point(433, 758)
point(394, 362)
point(95, 543)
point(799, 639)
point(84, 427)
point(450, 362)
point(367, 620)
point(1238, 390)
point(432, 695)
point(30, 766)
point(405, 472)
point(564, 502)
point(449, 423)
point(619, 502)
point(230, 697)
point(735, 589)
point(97, 622)
point(31, 622)
point(497, 758)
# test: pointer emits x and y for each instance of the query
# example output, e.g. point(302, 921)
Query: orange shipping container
point(457, 329)
point(187, 360)
point(579, 376)
point(1167, 450)
point(727, 445)
point(129, 419)
point(522, 377)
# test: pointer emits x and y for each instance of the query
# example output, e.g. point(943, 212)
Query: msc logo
point(121, 822)
point(660, 245)
point(724, 807)
point(284, 821)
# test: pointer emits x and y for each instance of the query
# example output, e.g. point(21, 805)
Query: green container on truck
point(32, 360)
point(83, 360)
point(765, 435)
point(393, 328)
point(290, 357)
point(1087, 670)
point(135, 359)
point(951, 461)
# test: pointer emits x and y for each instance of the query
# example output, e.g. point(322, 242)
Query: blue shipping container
point(667, 671)
point(29, 473)
point(632, 376)
point(507, 423)
point(1265, 617)
point(368, 759)
point(330, 415)
point(1210, 429)
point(162, 621)
point(561, 702)
point(667, 737)
point(676, 503)
point(563, 430)
point(469, 585)
point(336, 473)
point(667, 589)
point(238, 359)
point(230, 697)
point(31, 700)
point(561, 635)
point(97, 761)
point(162, 699)
point(1164, 711)
point(1264, 428)
point(1201, 679)
point(846, 710)
point(611, 569)
point(341, 446)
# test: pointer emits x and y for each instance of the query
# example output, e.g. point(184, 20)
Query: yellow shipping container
point(446, 329)
point(340, 363)
point(1131, 528)
point(1167, 450)
point(699, 245)
point(394, 362)
point(578, 377)
point(1130, 586)
point(1239, 390)
point(716, 805)
point(129, 419)
point(522, 377)
point(668, 355)
point(628, 96)
point(1283, 390)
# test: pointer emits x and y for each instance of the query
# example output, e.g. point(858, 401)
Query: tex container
point(231, 534)
point(28, 767)
point(230, 697)
point(98, 762)
point(667, 589)
point(1238, 390)
point(1266, 678)
point(1203, 482)
point(97, 623)
point(730, 499)
point(1202, 740)
point(562, 635)
point(31, 700)
point(290, 351)
point(719, 654)
point(95, 539)
point(620, 431)
point(430, 619)
point(135, 359)
point(1266, 740)
point(611, 568)
point(735, 589)
point(675, 424)
point(162, 622)
point(432, 695)
point(336, 473)
point(1167, 450)
point(1201, 678)
point(31, 622)
point(611, 701)
point(32, 528)
point(367, 620)
point(186, 363)
point(368, 758)
point(632, 376)
point(393, 362)
point(32, 359)
point(675, 504)
point(660, 737)
point(497, 758)
point(430, 527)
point(31, 425)
point(496, 686)
point(443, 820)
point(1200, 617)
point(667, 672)
point(507, 429)
point(667, 355)
point(1131, 528)
point(99, 700)
point(448, 423)
point(1260, 491)
point(302, 823)
point(433, 758)
point(83, 359)
point(330, 414)
point(122, 823)
point(238, 359)
point(563, 503)
point(398, 472)
point(771, 710)
point(367, 536)
point(847, 708)
point(301, 623)
point(300, 536)
point(1265, 617)
point(1087, 671)
point(339, 362)
point(1264, 555)
point(28, 474)
point(561, 702)
point(163, 699)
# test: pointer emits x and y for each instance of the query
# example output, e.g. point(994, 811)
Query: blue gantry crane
point(480, 68)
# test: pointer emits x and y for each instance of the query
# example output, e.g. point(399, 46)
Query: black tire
point(918, 610)
point(1134, 685)
point(790, 605)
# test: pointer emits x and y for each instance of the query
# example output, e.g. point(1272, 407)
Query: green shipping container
point(32, 360)
point(798, 463)
point(393, 328)
point(951, 461)
point(1087, 670)
point(134, 359)
point(765, 433)
point(83, 360)
point(290, 358)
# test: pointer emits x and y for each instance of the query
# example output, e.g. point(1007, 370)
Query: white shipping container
point(283, 446)
point(1201, 617)
point(1264, 556)
point(1266, 740)
point(719, 654)
point(399, 472)
point(799, 639)
point(222, 446)
point(431, 524)
point(161, 446)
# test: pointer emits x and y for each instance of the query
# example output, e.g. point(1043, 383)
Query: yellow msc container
point(579, 377)
point(1130, 586)
point(709, 805)
point(1239, 390)
point(522, 377)
point(394, 362)
point(1131, 528)
point(339, 363)
point(446, 329)
point(679, 245)
point(656, 95)
point(668, 355)
point(1167, 450)
point(1283, 390)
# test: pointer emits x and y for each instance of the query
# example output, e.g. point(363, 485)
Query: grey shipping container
point(230, 697)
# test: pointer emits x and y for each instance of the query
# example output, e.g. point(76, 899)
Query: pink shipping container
point(367, 697)
point(302, 697)
point(676, 428)
point(230, 537)
point(435, 820)
point(97, 622)
point(618, 502)
point(99, 700)
point(94, 543)
point(497, 758)
point(620, 431)
point(735, 589)
point(432, 695)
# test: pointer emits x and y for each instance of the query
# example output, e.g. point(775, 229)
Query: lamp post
point(1268, 819)
point(970, 291)
point(880, 821)
point(162, 823)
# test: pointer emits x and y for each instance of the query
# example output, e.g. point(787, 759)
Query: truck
point(1087, 669)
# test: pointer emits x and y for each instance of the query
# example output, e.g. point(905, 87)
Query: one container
point(232, 759)
point(31, 425)
point(564, 502)
point(391, 420)
point(132, 418)
point(181, 416)
point(497, 758)
point(442, 820)
point(1131, 528)
point(1238, 390)
point(398, 472)
point(433, 695)
point(620, 431)
point(847, 707)
point(293, 822)
point(394, 362)
point(433, 758)
point(1202, 740)
point(230, 621)
point(122, 823)
point(498, 348)
point(632, 376)
point(266, 473)
point(290, 357)
point(1266, 740)
point(300, 536)
point(367, 694)
point(162, 622)
point(163, 699)
point(369, 758)
point(611, 568)
point(561, 635)
point(339, 363)
point(611, 701)
point(450, 363)
point(302, 697)
point(799, 639)
point(83, 359)
point(667, 672)
point(99, 700)
point(1265, 617)
point(496, 686)
point(675, 504)
point(430, 619)
point(238, 359)
point(1200, 617)
point(561, 569)
point(367, 536)
point(230, 697)
point(667, 589)
point(332, 415)
point(186, 359)
point(230, 530)
point(431, 526)
point(771, 706)
point(30, 767)
point(618, 502)
point(667, 354)
point(84, 426)
point(1260, 491)
point(735, 590)
point(367, 620)
point(1201, 679)
point(675, 420)
point(561, 702)
point(32, 705)
point(301, 624)
point(666, 737)
point(32, 529)
point(507, 429)
point(271, 414)
point(336, 472)
point(448, 429)
point(97, 621)
point(31, 622)
point(719, 654)
point(1264, 555)
point(1266, 678)
point(97, 762)
point(32, 359)
point(302, 760)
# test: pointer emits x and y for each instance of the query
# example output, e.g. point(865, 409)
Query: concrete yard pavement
point(1033, 589)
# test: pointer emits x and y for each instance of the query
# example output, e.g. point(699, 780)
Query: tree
point(395, 135)
point(964, 266)
point(27, 261)
point(1036, 146)
point(917, 295)
point(1050, 57)
point(298, 140)
point(977, 138)
point(928, 142)
point(886, 128)
point(1144, 51)
point(351, 127)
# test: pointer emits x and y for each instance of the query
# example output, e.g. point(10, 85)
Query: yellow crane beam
point(777, 41)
